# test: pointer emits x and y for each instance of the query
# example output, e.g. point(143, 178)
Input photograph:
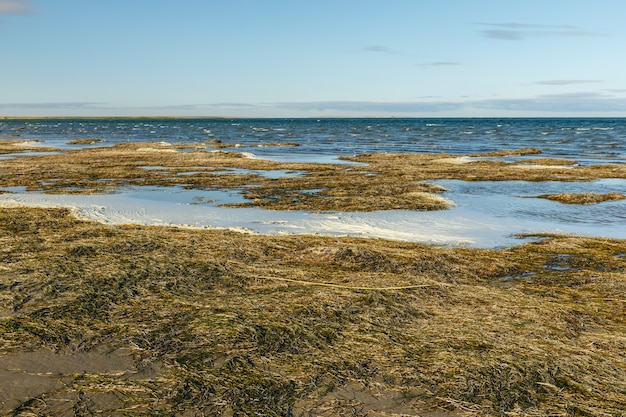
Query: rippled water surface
point(580, 139)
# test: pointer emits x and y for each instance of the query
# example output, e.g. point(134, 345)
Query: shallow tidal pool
point(486, 213)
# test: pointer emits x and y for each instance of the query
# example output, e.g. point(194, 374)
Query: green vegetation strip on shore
point(534, 330)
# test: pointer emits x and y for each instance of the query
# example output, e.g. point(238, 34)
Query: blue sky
point(296, 58)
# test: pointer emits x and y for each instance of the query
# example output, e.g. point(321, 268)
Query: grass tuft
point(583, 198)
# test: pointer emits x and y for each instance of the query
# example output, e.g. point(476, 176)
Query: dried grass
point(221, 323)
point(510, 152)
point(424, 167)
point(387, 182)
point(583, 198)
point(86, 141)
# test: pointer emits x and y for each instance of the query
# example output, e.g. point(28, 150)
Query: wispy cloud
point(573, 103)
point(381, 49)
point(581, 95)
point(581, 102)
point(567, 82)
point(372, 107)
point(231, 105)
point(203, 106)
point(584, 102)
point(528, 26)
point(520, 31)
point(55, 105)
point(14, 6)
point(506, 35)
point(439, 64)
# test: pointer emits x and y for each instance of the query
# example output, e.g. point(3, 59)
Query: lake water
point(486, 214)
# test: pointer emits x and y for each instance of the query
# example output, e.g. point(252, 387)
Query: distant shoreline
point(232, 117)
point(301, 118)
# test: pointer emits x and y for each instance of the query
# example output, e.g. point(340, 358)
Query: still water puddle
point(518, 200)
point(487, 214)
point(265, 173)
point(269, 173)
point(12, 155)
point(182, 196)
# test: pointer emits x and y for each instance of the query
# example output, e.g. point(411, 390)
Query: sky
point(313, 58)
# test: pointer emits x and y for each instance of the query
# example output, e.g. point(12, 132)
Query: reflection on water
point(487, 214)
point(181, 195)
point(25, 153)
point(518, 200)
point(266, 173)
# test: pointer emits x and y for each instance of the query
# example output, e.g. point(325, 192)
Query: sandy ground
point(27, 375)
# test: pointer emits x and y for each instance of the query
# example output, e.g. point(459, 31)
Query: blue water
point(587, 140)
point(486, 214)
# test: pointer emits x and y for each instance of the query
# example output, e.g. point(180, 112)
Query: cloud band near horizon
point(521, 31)
point(574, 103)
point(14, 6)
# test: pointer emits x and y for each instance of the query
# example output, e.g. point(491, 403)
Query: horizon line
point(300, 117)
